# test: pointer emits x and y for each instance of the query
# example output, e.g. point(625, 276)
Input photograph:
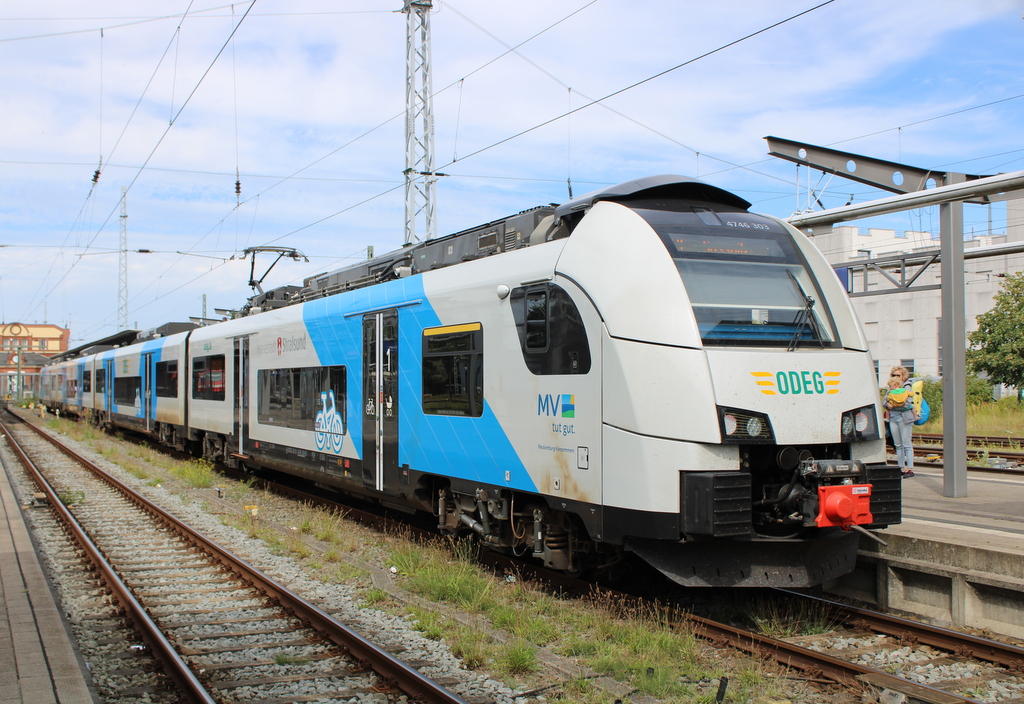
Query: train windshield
point(746, 280)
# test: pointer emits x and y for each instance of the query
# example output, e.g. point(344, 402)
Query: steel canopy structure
point(950, 191)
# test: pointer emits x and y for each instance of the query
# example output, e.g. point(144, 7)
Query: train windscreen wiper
point(805, 318)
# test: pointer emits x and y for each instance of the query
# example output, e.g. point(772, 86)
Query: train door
point(146, 402)
point(108, 387)
point(380, 406)
point(241, 403)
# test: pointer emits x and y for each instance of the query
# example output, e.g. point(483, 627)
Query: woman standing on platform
point(899, 403)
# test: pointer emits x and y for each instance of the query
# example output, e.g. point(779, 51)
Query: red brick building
point(24, 349)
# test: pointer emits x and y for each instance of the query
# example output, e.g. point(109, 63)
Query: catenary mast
point(419, 122)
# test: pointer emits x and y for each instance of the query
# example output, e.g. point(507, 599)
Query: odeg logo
point(794, 383)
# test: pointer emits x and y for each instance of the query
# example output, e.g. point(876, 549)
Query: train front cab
point(713, 472)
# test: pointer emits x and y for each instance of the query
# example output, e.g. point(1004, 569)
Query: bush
point(933, 395)
point(979, 390)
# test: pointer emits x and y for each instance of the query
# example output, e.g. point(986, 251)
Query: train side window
point(167, 379)
point(87, 382)
point(292, 398)
point(536, 321)
point(453, 370)
point(551, 330)
point(101, 381)
point(127, 390)
point(208, 378)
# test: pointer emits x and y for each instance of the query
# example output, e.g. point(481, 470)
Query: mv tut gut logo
point(804, 383)
point(558, 406)
point(329, 428)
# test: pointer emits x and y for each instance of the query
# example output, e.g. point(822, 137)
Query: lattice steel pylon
point(122, 268)
point(420, 177)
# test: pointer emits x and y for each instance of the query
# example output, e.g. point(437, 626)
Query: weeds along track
point(219, 629)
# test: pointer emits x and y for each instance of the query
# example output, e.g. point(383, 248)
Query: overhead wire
point(458, 159)
point(96, 175)
point(147, 20)
point(592, 102)
point(603, 105)
point(367, 133)
point(159, 141)
point(43, 282)
point(636, 84)
point(234, 94)
point(811, 192)
point(330, 179)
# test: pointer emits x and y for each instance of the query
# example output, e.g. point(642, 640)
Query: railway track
point(220, 629)
point(951, 662)
point(979, 460)
point(871, 651)
point(979, 441)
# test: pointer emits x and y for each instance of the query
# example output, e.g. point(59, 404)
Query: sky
point(303, 102)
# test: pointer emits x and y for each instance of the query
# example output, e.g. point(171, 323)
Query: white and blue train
point(647, 369)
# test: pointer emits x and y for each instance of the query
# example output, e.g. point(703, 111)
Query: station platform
point(956, 562)
point(39, 663)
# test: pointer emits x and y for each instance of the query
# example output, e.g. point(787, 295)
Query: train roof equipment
point(528, 227)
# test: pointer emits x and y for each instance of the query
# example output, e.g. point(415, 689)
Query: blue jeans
point(901, 424)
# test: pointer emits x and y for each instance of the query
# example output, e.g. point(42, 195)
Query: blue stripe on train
point(475, 449)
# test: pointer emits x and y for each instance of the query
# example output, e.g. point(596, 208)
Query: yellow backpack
point(921, 409)
point(918, 389)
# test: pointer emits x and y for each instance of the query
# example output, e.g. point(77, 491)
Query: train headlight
point(754, 427)
point(859, 424)
point(861, 421)
point(740, 426)
point(847, 425)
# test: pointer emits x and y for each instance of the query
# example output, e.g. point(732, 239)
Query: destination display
point(767, 248)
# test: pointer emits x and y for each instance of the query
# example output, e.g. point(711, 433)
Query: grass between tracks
point(497, 624)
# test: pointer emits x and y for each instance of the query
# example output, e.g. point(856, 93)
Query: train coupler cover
point(844, 505)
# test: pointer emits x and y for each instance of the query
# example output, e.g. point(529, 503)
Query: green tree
point(997, 346)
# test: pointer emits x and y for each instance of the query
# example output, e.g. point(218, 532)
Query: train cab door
point(241, 396)
point(380, 402)
point(146, 402)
